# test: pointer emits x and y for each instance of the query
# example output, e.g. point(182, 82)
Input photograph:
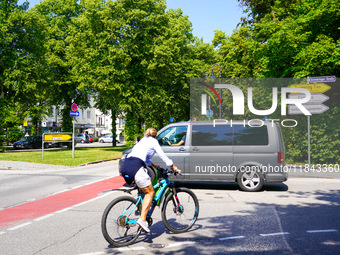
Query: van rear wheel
point(250, 180)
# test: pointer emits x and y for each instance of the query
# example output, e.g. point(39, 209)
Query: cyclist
point(134, 169)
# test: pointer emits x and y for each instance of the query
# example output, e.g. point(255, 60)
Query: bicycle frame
point(162, 185)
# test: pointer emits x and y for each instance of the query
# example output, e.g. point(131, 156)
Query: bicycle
point(179, 211)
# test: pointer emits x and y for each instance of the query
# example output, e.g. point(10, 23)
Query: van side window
point(250, 135)
point(173, 136)
point(208, 135)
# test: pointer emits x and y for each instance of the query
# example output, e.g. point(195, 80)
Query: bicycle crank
point(149, 221)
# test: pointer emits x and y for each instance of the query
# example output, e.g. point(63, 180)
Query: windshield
point(26, 138)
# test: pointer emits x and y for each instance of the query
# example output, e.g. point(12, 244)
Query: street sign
point(57, 137)
point(322, 79)
point(74, 114)
point(314, 88)
point(312, 108)
point(209, 113)
point(74, 107)
point(315, 99)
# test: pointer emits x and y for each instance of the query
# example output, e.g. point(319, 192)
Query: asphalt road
point(300, 216)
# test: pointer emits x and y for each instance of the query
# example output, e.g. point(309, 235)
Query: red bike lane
point(44, 206)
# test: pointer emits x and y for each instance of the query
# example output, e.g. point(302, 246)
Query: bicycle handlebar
point(168, 171)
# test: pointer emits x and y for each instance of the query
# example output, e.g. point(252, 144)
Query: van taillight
point(280, 157)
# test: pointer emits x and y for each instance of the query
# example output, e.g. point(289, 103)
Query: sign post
point(55, 137)
point(316, 87)
point(74, 113)
point(73, 138)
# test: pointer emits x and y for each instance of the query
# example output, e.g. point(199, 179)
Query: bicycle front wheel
point(119, 221)
point(180, 212)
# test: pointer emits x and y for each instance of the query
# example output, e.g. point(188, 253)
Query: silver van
point(248, 153)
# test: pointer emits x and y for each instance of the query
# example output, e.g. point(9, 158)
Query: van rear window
point(208, 135)
point(246, 135)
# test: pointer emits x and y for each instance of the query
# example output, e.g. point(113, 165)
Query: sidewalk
point(18, 165)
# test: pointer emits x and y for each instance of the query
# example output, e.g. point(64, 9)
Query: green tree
point(22, 65)
point(63, 89)
point(135, 57)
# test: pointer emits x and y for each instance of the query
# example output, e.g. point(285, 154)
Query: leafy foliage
point(136, 58)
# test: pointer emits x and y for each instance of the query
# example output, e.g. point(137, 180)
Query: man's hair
point(151, 132)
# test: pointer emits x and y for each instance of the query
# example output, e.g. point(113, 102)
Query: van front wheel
point(250, 180)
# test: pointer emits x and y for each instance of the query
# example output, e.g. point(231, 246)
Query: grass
point(64, 156)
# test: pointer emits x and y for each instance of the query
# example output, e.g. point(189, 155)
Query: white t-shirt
point(146, 148)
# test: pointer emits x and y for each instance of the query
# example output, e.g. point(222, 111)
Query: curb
point(99, 161)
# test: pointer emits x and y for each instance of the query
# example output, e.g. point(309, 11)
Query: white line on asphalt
point(58, 192)
point(275, 234)
point(64, 210)
point(44, 217)
point(322, 231)
point(180, 244)
point(2, 233)
point(20, 226)
point(139, 248)
point(76, 187)
point(94, 253)
point(99, 180)
point(93, 199)
point(231, 238)
point(80, 204)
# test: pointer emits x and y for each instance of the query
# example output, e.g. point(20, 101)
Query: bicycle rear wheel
point(180, 212)
point(119, 221)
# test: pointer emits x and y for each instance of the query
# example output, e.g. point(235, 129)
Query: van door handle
point(195, 149)
point(181, 149)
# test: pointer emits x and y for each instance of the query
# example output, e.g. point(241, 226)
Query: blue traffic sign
point(74, 113)
point(322, 79)
point(209, 113)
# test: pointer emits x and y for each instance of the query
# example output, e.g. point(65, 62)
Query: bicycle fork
point(177, 205)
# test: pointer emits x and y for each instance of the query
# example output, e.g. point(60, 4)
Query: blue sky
point(205, 15)
point(209, 15)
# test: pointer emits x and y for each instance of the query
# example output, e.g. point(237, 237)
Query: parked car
point(219, 152)
point(28, 142)
point(58, 144)
point(82, 138)
point(120, 138)
point(105, 139)
point(91, 139)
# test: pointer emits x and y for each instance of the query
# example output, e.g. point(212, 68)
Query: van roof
point(236, 122)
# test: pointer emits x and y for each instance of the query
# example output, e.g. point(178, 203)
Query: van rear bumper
point(276, 177)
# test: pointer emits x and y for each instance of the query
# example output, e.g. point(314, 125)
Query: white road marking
point(275, 234)
point(64, 210)
point(139, 248)
point(44, 217)
point(20, 226)
point(94, 253)
point(60, 211)
point(231, 238)
point(2, 233)
point(180, 244)
point(322, 231)
point(59, 192)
